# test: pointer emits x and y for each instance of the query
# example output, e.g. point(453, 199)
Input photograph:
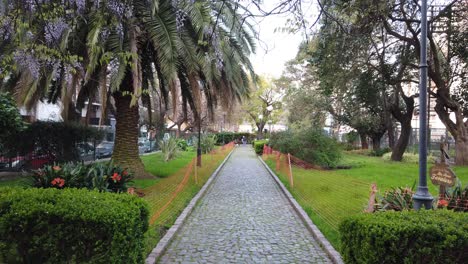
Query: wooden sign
point(442, 175)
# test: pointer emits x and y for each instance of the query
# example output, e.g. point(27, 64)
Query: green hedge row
point(311, 145)
point(71, 226)
point(438, 236)
point(53, 139)
point(226, 137)
point(258, 146)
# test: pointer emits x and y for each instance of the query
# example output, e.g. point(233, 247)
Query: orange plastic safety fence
point(170, 195)
point(309, 187)
point(179, 188)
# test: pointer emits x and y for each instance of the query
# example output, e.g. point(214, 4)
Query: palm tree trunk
point(126, 152)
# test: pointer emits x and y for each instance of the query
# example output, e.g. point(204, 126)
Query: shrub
point(182, 144)
point(258, 146)
point(98, 176)
point(310, 145)
point(10, 120)
point(424, 236)
point(207, 143)
point(410, 158)
point(226, 137)
point(57, 140)
point(107, 177)
point(455, 198)
point(169, 149)
point(71, 226)
point(352, 137)
point(396, 199)
point(379, 152)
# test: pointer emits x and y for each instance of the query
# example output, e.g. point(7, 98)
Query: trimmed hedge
point(226, 137)
point(56, 140)
point(71, 226)
point(311, 145)
point(258, 146)
point(438, 236)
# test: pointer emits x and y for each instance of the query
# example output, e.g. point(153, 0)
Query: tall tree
point(304, 103)
point(446, 69)
point(264, 105)
point(187, 49)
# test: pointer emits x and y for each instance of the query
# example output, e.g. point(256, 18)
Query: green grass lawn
point(21, 182)
point(169, 195)
point(330, 196)
point(155, 165)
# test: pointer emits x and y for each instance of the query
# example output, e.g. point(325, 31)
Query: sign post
point(441, 174)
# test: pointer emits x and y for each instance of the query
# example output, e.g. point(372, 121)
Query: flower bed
point(98, 176)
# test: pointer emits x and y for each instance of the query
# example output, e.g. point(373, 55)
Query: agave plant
point(169, 148)
point(396, 199)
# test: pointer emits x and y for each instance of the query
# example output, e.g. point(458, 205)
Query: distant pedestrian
point(244, 140)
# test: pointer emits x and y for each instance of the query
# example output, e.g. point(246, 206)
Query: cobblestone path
point(244, 218)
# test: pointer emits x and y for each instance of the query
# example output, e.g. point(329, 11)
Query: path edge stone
point(162, 245)
point(316, 233)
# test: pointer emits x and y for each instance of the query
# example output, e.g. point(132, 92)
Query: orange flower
point(131, 190)
point(56, 168)
point(59, 182)
point(116, 177)
point(443, 203)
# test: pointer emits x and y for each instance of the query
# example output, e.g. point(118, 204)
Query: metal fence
point(435, 137)
point(82, 152)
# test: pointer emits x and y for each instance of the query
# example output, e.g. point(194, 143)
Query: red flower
point(56, 168)
point(125, 173)
point(443, 203)
point(59, 182)
point(116, 177)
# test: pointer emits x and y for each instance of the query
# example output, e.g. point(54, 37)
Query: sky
point(274, 49)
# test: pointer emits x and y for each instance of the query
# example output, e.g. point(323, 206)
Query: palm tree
point(186, 49)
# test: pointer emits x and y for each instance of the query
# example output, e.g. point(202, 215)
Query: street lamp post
point(422, 197)
point(199, 154)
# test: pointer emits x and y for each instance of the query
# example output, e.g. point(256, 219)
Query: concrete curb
point(329, 249)
point(157, 252)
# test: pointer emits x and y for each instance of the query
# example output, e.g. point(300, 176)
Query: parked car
point(144, 145)
point(85, 151)
point(31, 161)
point(104, 149)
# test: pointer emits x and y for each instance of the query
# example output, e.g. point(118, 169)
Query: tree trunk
point(391, 135)
point(403, 140)
point(260, 127)
point(405, 121)
point(461, 155)
point(376, 142)
point(364, 144)
point(457, 129)
point(126, 152)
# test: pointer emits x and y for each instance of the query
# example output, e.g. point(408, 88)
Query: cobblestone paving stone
point(244, 218)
